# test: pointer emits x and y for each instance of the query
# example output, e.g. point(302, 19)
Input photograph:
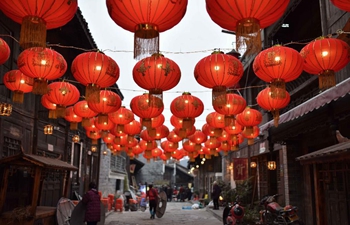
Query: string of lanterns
point(101, 113)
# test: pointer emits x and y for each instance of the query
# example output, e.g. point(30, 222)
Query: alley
point(174, 215)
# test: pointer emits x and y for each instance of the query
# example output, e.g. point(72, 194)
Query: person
point(92, 201)
point(182, 194)
point(170, 194)
point(216, 194)
point(152, 197)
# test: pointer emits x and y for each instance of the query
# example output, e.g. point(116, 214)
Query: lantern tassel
point(146, 40)
point(18, 96)
point(73, 126)
point(86, 122)
point(60, 111)
point(219, 96)
point(40, 87)
point(92, 93)
point(250, 141)
point(326, 79)
point(276, 117)
point(52, 114)
point(147, 122)
point(33, 32)
point(102, 119)
point(153, 96)
point(152, 132)
point(248, 37)
point(278, 89)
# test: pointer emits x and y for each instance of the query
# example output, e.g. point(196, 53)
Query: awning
point(331, 94)
point(330, 153)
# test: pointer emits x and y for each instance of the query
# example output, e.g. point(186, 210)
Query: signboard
point(132, 168)
point(240, 166)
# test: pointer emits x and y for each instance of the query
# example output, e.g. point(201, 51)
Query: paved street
point(174, 215)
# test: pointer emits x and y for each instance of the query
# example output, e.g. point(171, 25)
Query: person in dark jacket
point(216, 194)
point(152, 197)
point(93, 209)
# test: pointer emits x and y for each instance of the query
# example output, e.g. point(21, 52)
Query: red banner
point(240, 166)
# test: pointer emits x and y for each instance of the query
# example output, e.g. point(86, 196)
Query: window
point(118, 163)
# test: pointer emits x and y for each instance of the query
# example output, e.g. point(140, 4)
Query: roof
point(329, 95)
point(327, 154)
point(41, 161)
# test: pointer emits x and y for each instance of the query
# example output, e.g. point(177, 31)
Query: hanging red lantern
point(218, 72)
point(234, 129)
point(73, 118)
point(163, 157)
point(178, 154)
point(183, 133)
point(155, 122)
point(178, 122)
point(137, 150)
point(104, 127)
point(141, 107)
point(174, 138)
point(121, 140)
point(187, 107)
point(249, 118)
point(147, 145)
point(4, 51)
point(82, 109)
point(121, 117)
point(146, 19)
point(94, 136)
point(251, 136)
point(42, 64)
point(323, 57)
point(156, 74)
point(50, 106)
point(278, 65)
point(247, 19)
point(198, 138)
point(36, 17)
point(62, 94)
point(91, 127)
point(95, 70)
point(110, 102)
point(168, 148)
point(190, 146)
point(236, 142)
point(108, 139)
point(133, 128)
point(342, 4)
point(156, 152)
point(265, 101)
point(216, 120)
point(233, 104)
point(19, 83)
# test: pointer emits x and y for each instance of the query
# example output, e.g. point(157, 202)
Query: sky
point(193, 38)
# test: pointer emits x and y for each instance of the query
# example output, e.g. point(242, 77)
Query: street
point(174, 215)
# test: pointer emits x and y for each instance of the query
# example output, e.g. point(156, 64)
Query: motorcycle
point(273, 213)
point(233, 214)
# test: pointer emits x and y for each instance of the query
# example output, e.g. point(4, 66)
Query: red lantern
point(183, 133)
point(156, 74)
point(36, 17)
point(133, 128)
point(91, 127)
point(198, 138)
point(323, 57)
point(187, 107)
point(19, 83)
point(278, 65)
point(265, 101)
point(4, 51)
point(104, 127)
point(190, 146)
point(174, 138)
point(94, 136)
point(246, 18)
point(236, 142)
point(218, 71)
point(249, 118)
point(141, 107)
point(62, 94)
point(42, 64)
point(82, 109)
point(156, 152)
point(109, 138)
point(342, 4)
point(216, 120)
point(137, 150)
point(233, 105)
point(50, 106)
point(121, 117)
point(155, 122)
point(178, 122)
point(146, 19)
point(251, 136)
point(110, 102)
point(73, 118)
point(147, 145)
point(168, 148)
point(95, 70)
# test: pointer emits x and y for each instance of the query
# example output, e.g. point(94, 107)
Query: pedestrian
point(215, 195)
point(170, 194)
point(93, 208)
point(182, 194)
point(152, 197)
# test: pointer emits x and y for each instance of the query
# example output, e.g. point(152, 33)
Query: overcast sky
point(194, 38)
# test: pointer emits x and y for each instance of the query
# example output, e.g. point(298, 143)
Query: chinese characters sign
point(240, 168)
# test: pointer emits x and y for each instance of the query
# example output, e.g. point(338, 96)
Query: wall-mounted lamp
point(5, 109)
point(105, 152)
point(76, 138)
point(202, 162)
point(271, 165)
point(93, 148)
point(253, 165)
point(48, 129)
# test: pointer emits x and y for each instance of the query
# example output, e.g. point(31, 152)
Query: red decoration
point(323, 57)
point(62, 94)
point(133, 128)
point(109, 138)
point(137, 150)
point(183, 133)
point(174, 138)
point(246, 18)
point(145, 109)
point(265, 101)
point(72, 118)
point(4, 51)
point(19, 83)
point(156, 152)
point(121, 117)
point(146, 19)
point(251, 136)
point(50, 106)
point(189, 146)
point(216, 120)
point(155, 122)
point(110, 102)
point(104, 127)
point(187, 107)
point(42, 64)
point(278, 65)
point(94, 136)
point(95, 70)
point(36, 17)
point(249, 118)
point(82, 109)
point(342, 4)
point(233, 105)
point(218, 71)
point(168, 148)
point(236, 142)
point(198, 138)
point(156, 74)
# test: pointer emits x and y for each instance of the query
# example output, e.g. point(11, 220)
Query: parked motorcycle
point(233, 214)
point(275, 214)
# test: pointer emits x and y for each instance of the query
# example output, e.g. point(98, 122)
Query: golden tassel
point(120, 128)
point(146, 40)
point(248, 37)
point(175, 145)
point(182, 133)
point(40, 87)
point(154, 95)
point(102, 119)
point(248, 130)
point(326, 79)
point(219, 96)
point(201, 156)
point(234, 147)
point(278, 89)
point(250, 141)
point(73, 126)
point(187, 123)
point(167, 155)
point(86, 122)
point(147, 122)
point(18, 97)
point(104, 133)
point(148, 153)
point(152, 132)
point(218, 132)
point(117, 140)
point(229, 120)
point(33, 32)
point(207, 156)
point(93, 141)
point(92, 93)
point(60, 111)
point(52, 114)
point(276, 117)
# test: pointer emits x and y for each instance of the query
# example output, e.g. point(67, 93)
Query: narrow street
point(174, 215)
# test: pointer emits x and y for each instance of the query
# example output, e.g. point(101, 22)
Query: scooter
point(233, 214)
point(274, 214)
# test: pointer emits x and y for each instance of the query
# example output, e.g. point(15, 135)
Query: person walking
point(152, 197)
point(93, 208)
point(215, 195)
